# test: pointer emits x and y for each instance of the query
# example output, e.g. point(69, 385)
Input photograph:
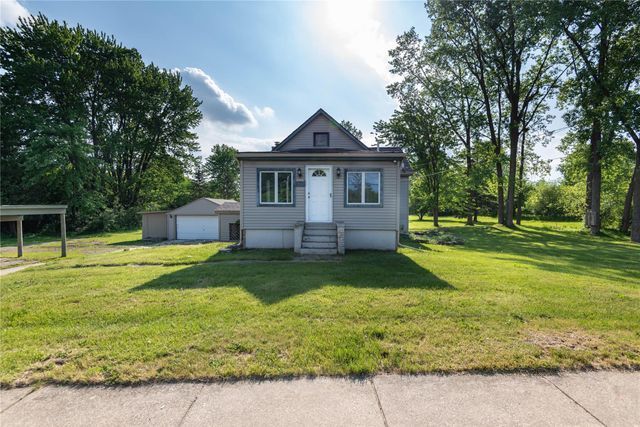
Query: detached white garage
point(197, 227)
point(197, 220)
point(202, 219)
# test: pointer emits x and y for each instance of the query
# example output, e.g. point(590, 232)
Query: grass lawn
point(48, 248)
point(543, 296)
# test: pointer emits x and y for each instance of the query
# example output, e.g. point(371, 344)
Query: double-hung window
point(276, 187)
point(364, 188)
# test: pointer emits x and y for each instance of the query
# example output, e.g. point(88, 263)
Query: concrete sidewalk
point(592, 398)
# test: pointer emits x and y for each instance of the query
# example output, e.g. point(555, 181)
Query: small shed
point(154, 224)
point(203, 219)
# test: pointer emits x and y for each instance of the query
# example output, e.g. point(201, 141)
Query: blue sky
point(261, 68)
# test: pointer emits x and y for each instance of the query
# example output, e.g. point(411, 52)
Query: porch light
point(338, 172)
point(299, 172)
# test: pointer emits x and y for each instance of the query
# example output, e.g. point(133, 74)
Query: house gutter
point(363, 155)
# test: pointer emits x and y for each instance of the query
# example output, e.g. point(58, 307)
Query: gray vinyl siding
point(269, 217)
point(225, 220)
point(337, 138)
point(154, 225)
point(362, 218)
point(197, 207)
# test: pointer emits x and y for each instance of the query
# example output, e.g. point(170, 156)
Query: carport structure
point(17, 212)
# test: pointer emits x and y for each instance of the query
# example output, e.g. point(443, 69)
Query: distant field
point(546, 295)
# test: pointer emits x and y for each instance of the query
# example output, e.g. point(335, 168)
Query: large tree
point(509, 48)
point(84, 119)
point(604, 42)
point(416, 128)
point(427, 69)
point(223, 171)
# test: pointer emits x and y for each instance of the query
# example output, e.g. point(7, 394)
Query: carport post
point(63, 233)
point(19, 235)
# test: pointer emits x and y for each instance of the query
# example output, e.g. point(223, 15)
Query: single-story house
point(202, 219)
point(322, 190)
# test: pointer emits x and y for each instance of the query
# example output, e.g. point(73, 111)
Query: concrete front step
point(319, 232)
point(319, 239)
point(323, 225)
point(319, 245)
point(315, 251)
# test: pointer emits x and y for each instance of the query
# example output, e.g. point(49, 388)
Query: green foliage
point(617, 169)
point(352, 129)
point(546, 200)
point(417, 129)
point(199, 184)
point(223, 170)
point(86, 123)
point(420, 198)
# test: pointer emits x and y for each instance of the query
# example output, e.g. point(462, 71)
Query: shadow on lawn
point(558, 251)
point(274, 281)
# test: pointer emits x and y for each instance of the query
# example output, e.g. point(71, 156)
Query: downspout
point(398, 170)
point(241, 237)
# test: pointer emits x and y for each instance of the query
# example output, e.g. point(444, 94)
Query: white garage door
point(197, 227)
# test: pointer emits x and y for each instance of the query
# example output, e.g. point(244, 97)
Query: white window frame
point(362, 188)
point(276, 202)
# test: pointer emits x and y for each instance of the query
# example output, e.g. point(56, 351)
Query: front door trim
point(308, 168)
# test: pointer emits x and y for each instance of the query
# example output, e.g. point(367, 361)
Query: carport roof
point(152, 212)
point(20, 210)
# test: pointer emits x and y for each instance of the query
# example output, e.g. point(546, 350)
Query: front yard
point(544, 296)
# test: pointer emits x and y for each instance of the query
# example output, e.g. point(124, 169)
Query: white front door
point(319, 194)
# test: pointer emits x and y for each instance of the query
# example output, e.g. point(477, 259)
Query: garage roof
point(201, 206)
point(229, 207)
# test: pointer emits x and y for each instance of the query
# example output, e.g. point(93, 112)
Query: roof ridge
point(309, 120)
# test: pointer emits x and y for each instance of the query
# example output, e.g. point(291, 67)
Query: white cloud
point(217, 105)
point(224, 118)
point(265, 113)
point(368, 139)
point(355, 29)
point(10, 11)
point(209, 135)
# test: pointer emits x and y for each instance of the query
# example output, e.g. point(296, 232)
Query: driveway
point(609, 398)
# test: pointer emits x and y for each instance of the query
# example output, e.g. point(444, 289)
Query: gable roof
point(312, 118)
point(219, 201)
point(209, 206)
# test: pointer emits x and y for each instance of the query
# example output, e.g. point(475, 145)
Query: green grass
point(543, 296)
point(48, 248)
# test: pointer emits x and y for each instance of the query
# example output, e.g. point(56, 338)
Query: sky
point(262, 68)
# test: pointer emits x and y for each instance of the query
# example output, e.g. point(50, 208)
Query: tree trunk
point(596, 176)
point(420, 215)
point(521, 180)
point(625, 223)
point(500, 178)
point(587, 204)
point(513, 163)
point(436, 208)
point(469, 189)
point(635, 216)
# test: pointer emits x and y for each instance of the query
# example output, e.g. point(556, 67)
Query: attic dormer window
point(321, 139)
